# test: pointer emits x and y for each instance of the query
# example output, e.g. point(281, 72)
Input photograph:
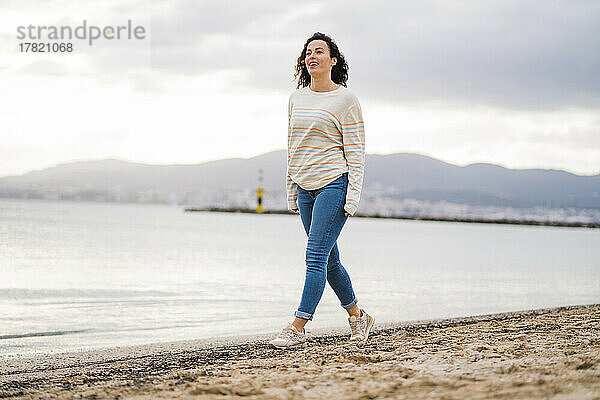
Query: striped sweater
point(326, 138)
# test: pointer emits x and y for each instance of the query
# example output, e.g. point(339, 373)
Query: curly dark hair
point(339, 72)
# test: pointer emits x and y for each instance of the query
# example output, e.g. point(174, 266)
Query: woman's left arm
point(353, 135)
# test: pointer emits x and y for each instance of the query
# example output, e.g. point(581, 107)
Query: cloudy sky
point(507, 82)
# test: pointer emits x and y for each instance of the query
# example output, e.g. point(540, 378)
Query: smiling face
point(318, 61)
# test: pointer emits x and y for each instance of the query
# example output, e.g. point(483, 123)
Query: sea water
point(80, 275)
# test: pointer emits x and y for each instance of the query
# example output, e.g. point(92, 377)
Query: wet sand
point(537, 354)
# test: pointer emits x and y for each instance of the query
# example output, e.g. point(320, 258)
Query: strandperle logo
point(83, 31)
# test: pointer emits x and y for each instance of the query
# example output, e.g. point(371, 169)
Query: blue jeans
point(322, 214)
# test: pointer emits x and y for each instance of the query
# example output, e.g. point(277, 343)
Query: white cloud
point(196, 119)
point(567, 139)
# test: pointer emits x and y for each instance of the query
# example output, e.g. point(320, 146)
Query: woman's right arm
point(291, 186)
point(292, 194)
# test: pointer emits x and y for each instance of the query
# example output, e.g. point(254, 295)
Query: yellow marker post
point(259, 192)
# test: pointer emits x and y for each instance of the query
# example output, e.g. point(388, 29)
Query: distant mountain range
point(399, 176)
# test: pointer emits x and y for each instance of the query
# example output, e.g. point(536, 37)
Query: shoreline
point(503, 221)
point(243, 366)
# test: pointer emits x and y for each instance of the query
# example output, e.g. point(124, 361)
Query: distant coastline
point(409, 217)
point(405, 184)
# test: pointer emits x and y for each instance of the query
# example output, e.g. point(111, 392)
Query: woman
point(326, 153)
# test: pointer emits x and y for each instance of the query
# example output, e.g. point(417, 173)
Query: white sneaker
point(361, 327)
point(289, 337)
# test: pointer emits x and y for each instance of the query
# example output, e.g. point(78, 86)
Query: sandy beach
point(538, 354)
